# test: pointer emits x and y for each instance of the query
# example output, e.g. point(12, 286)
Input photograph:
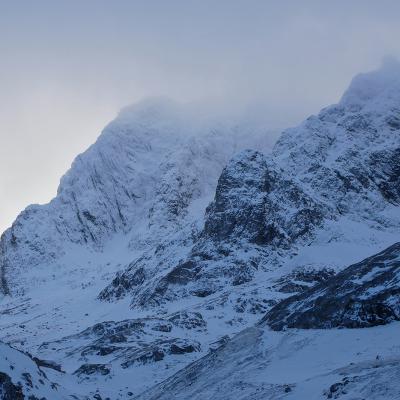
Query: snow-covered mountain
point(145, 170)
point(23, 377)
point(310, 362)
point(362, 295)
point(259, 364)
point(173, 233)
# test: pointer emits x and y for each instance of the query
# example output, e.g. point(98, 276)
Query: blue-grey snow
point(186, 257)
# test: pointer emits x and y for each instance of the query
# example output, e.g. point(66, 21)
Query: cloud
point(67, 67)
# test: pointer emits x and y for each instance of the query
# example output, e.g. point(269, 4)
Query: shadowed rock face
point(91, 369)
point(8, 390)
point(302, 279)
point(247, 204)
point(125, 281)
point(363, 295)
point(130, 342)
point(255, 209)
point(340, 164)
point(239, 205)
point(25, 378)
point(278, 224)
point(386, 164)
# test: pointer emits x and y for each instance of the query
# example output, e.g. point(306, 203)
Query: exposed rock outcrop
point(363, 295)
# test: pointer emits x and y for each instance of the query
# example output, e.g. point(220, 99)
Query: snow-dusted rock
point(255, 211)
point(338, 171)
point(259, 364)
point(22, 377)
point(262, 364)
point(130, 342)
point(362, 295)
point(160, 218)
point(140, 178)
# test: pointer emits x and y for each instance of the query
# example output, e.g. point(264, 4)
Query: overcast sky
point(67, 67)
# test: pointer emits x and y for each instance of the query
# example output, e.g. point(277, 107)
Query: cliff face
point(168, 236)
point(335, 174)
point(138, 180)
point(23, 377)
point(363, 295)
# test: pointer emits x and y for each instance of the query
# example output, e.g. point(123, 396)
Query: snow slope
point(145, 182)
point(168, 236)
point(310, 364)
point(330, 182)
point(147, 166)
point(23, 377)
point(363, 295)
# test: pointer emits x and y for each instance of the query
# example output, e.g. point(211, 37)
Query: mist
point(67, 68)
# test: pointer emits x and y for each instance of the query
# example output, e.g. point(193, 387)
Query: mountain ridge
point(161, 245)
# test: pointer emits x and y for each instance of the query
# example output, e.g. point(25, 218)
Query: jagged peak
point(369, 86)
point(163, 116)
point(150, 111)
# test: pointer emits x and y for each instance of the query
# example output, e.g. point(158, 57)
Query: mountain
point(333, 179)
point(23, 377)
point(363, 295)
point(297, 364)
point(259, 363)
point(173, 235)
point(145, 169)
point(313, 361)
point(140, 191)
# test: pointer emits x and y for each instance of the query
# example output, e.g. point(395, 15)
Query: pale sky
point(67, 67)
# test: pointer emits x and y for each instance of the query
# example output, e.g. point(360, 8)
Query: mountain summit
point(172, 236)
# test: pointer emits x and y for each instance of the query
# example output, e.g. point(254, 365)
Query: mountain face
point(308, 363)
point(245, 223)
point(259, 364)
point(145, 170)
point(337, 171)
point(23, 377)
point(169, 236)
point(362, 295)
